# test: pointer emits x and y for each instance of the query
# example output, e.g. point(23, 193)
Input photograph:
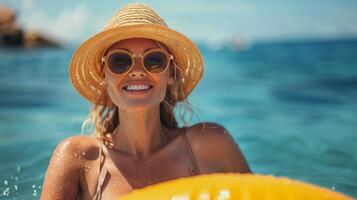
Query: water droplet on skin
point(75, 155)
point(86, 168)
point(58, 157)
point(5, 182)
point(83, 153)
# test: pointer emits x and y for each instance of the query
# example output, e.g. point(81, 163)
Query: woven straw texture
point(135, 20)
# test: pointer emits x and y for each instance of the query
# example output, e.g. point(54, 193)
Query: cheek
point(112, 91)
point(162, 80)
point(112, 87)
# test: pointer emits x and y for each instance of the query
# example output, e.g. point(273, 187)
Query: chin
point(139, 102)
point(138, 105)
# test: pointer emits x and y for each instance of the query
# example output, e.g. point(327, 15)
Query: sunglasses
point(120, 61)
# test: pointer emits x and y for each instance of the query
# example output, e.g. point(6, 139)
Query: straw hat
point(134, 20)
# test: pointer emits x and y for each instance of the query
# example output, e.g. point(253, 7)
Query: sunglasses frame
point(169, 57)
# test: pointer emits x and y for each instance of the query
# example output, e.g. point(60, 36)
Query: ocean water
point(290, 106)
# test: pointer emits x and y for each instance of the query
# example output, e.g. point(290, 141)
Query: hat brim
point(85, 61)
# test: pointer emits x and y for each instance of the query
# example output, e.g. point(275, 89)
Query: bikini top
point(103, 170)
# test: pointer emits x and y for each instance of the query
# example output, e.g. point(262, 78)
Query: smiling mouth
point(136, 90)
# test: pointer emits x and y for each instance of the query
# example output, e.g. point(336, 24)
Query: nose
point(137, 70)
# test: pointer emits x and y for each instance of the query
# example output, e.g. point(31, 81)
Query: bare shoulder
point(84, 141)
point(77, 143)
point(212, 141)
point(207, 132)
point(65, 165)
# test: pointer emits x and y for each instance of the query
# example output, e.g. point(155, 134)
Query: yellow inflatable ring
point(232, 187)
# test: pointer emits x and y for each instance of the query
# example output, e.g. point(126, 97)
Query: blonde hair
point(104, 119)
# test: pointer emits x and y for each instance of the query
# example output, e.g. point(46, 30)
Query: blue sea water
point(290, 106)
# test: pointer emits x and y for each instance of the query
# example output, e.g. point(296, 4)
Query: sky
point(201, 20)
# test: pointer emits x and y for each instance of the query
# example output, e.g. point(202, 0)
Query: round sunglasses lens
point(119, 62)
point(155, 62)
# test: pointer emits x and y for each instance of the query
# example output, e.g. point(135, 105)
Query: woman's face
point(116, 84)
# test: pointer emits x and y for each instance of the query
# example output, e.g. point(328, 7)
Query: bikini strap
point(102, 175)
point(194, 168)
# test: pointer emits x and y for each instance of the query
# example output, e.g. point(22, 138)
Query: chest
point(152, 170)
point(125, 174)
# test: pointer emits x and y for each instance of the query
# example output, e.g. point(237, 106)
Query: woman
point(135, 72)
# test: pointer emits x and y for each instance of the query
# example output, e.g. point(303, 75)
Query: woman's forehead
point(135, 44)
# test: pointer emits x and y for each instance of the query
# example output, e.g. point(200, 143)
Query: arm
point(234, 160)
point(62, 176)
point(223, 149)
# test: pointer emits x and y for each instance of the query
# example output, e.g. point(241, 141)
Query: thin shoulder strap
point(194, 168)
point(103, 173)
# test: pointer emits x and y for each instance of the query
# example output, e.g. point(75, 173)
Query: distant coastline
point(277, 42)
point(12, 35)
point(307, 41)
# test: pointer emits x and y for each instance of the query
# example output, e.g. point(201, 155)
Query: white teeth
point(137, 87)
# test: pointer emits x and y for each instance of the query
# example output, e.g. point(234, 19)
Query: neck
point(140, 132)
